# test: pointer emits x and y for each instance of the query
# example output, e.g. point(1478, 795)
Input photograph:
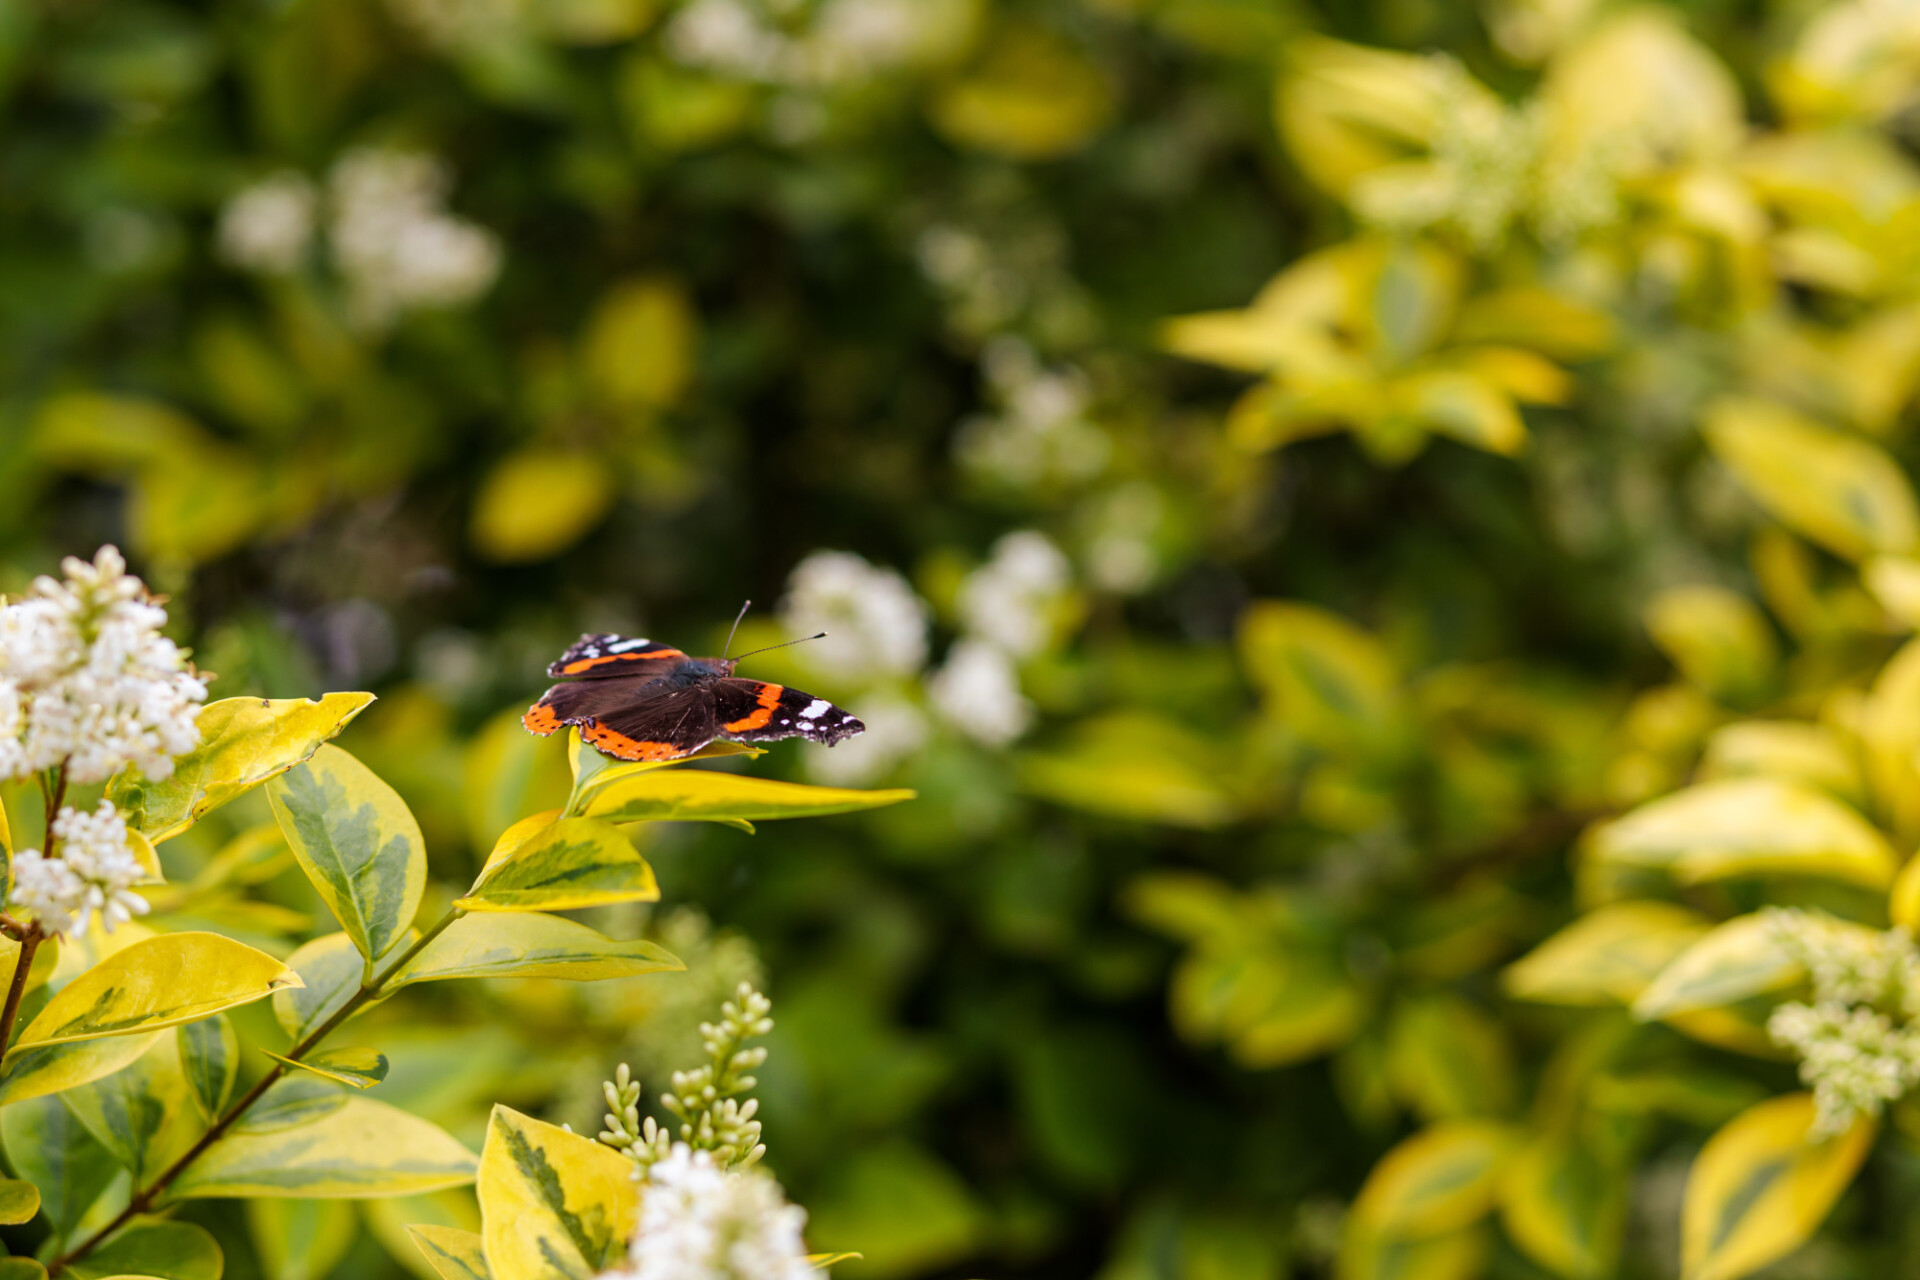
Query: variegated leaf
point(571, 863)
point(360, 1150)
point(530, 945)
point(556, 1205)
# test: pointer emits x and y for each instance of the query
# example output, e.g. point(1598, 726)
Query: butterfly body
point(638, 700)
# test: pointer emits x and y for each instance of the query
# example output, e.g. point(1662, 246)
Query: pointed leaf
point(1608, 956)
point(1564, 1207)
point(331, 968)
point(49, 1147)
point(357, 842)
point(698, 795)
point(363, 1149)
point(356, 1068)
point(210, 1055)
point(1438, 1181)
point(290, 1102)
point(1760, 1187)
point(452, 1253)
point(144, 1114)
point(157, 982)
point(1750, 826)
point(529, 945)
point(154, 1247)
point(555, 1205)
point(1741, 958)
point(243, 742)
point(575, 862)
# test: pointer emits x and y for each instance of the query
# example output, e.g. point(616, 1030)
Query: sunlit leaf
point(530, 945)
point(1740, 958)
point(538, 503)
point(1717, 638)
point(453, 1254)
point(1438, 1181)
point(567, 864)
point(555, 1204)
point(1330, 682)
point(52, 1068)
point(638, 347)
point(354, 1067)
point(360, 1149)
point(144, 1114)
point(19, 1201)
point(1607, 956)
point(700, 795)
point(292, 1101)
point(1812, 753)
point(157, 982)
point(1761, 1187)
point(1564, 1206)
point(1447, 1059)
point(243, 742)
point(357, 842)
point(330, 968)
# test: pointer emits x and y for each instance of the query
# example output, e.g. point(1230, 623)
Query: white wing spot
point(815, 709)
point(627, 646)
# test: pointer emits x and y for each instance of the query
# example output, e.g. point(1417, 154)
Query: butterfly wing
point(632, 719)
point(757, 711)
point(598, 657)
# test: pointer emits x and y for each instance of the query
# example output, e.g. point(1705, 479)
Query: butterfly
point(637, 699)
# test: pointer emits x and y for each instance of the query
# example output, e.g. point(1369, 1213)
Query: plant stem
point(143, 1199)
point(22, 966)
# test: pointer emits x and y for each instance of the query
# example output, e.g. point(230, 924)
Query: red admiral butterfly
point(640, 700)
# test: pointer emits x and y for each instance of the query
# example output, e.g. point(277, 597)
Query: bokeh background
point(1259, 650)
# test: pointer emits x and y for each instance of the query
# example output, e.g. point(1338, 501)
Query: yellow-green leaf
point(538, 503)
point(1760, 1187)
point(698, 795)
point(1607, 956)
point(157, 982)
point(28, 1269)
point(1812, 753)
point(1564, 1206)
point(1329, 681)
point(355, 1067)
point(19, 1201)
point(292, 1101)
point(361, 1149)
point(53, 1068)
point(154, 1247)
point(300, 1239)
point(1033, 96)
point(564, 865)
point(1471, 409)
point(331, 969)
point(210, 1056)
point(1750, 826)
point(1366, 1254)
point(1438, 1181)
point(49, 1147)
point(243, 742)
point(1742, 957)
point(556, 1205)
point(1448, 1059)
point(638, 348)
point(453, 1254)
point(1717, 637)
point(359, 844)
point(530, 945)
point(143, 1114)
point(507, 771)
point(1134, 766)
point(1841, 491)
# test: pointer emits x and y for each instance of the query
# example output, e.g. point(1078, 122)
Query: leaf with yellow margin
point(564, 865)
point(530, 945)
point(700, 795)
point(358, 1150)
point(556, 1206)
point(1607, 956)
point(452, 1253)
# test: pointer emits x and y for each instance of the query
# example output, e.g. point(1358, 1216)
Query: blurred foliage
point(1344, 498)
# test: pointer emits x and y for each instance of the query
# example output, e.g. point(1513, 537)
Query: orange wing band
point(757, 719)
point(619, 744)
point(585, 664)
point(540, 719)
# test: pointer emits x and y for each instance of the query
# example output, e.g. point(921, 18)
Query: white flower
point(90, 681)
point(877, 625)
point(1012, 600)
point(395, 244)
point(1855, 1059)
point(92, 870)
point(698, 1222)
point(268, 226)
point(895, 730)
point(1042, 435)
point(979, 692)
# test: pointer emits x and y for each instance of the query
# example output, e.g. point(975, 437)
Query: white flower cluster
point(1013, 600)
point(814, 44)
point(394, 244)
point(978, 690)
point(1859, 1047)
point(878, 624)
point(87, 679)
point(91, 870)
point(1042, 435)
point(701, 1222)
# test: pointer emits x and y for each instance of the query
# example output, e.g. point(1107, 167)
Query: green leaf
point(1607, 956)
point(1564, 1206)
point(154, 1247)
point(1761, 1187)
point(1740, 958)
point(529, 945)
point(1447, 1059)
point(1438, 1181)
point(1749, 826)
point(555, 1205)
point(51, 1068)
point(538, 502)
point(290, 1102)
point(49, 1147)
point(28, 1269)
point(1841, 491)
point(567, 864)
point(695, 795)
point(243, 742)
point(1135, 767)
point(452, 1253)
point(357, 842)
point(362, 1149)
point(354, 1067)
point(508, 771)
point(210, 1056)
point(19, 1201)
point(1326, 680)
point(157, 982)
point(145, 1114)
point(332, 969)
point(1718, 638)
point(300, 1239)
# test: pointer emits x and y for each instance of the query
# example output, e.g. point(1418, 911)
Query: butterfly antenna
point(744, 606)
point(783, 644)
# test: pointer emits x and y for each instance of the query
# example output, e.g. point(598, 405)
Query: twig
point(29, 943)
